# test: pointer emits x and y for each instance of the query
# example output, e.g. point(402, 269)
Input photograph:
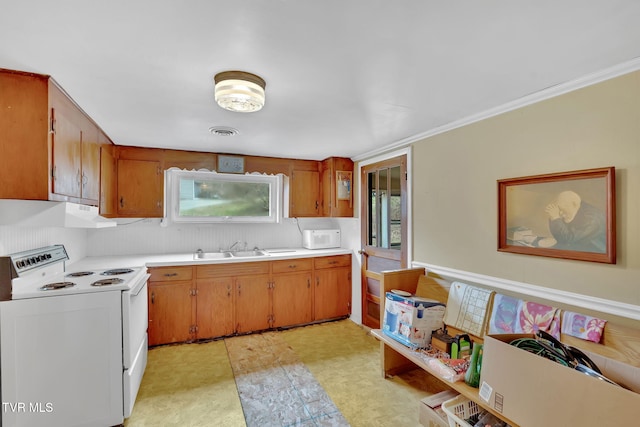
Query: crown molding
point(547, 93)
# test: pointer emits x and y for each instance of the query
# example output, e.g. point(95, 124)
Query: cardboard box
point(431, 413)
point(533, 391)
point(410, 319)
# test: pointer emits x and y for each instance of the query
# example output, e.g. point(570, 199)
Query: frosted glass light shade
point(239, 91)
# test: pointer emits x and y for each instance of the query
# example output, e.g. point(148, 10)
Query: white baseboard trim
point(577, 300)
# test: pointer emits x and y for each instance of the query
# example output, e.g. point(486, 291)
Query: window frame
point(172, 196)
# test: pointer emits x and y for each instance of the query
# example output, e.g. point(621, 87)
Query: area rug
point(275, 387)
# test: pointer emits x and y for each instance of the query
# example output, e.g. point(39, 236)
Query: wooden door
point(305, 193)
point(292, 299)
point(215, 307)
point(384, 229)
point(170, 312)
point(253, 303)
point(139, 188)
point(66, 140)
point(332, 293)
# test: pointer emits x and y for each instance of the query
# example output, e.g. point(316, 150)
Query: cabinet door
point(332, 296)
point(108, 170)
point(214, 308)
point(66, 140)
point(139, 188)
point(170, 312)
point(90, 172)
point(253, 303)
point(292, 299)
point(304, 193)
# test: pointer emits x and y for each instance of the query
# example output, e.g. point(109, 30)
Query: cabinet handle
point(238, 290)
point(122, 201)
point(170, 274)
point(78, 180)
point(317, 281)
point(153, 297)
point(308, 283)
point(228, 290)
point(53, 172)
point(292, 266)
point(333, 262)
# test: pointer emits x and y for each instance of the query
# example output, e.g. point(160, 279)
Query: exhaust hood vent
point(38, 213)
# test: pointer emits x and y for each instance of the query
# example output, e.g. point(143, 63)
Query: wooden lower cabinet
point(332, 294)
point(170, 312)
point(292, 295)
point(189, 303)
point(253, 305)
point(215, 315)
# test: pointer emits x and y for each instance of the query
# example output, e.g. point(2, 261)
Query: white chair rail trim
point(577, 300)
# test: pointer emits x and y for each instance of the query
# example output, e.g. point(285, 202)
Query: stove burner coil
point(116, 271)
point(57, 285)
point(80, 274)
point(106, 282)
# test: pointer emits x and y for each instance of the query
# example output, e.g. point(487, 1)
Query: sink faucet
point(232, 247)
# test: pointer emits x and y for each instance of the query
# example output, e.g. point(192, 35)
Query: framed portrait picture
point(568, 215)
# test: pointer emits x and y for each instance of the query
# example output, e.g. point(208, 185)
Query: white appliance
point(73, 345)
point(320, 239)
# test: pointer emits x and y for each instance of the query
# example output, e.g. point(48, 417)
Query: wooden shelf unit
point(398, 357)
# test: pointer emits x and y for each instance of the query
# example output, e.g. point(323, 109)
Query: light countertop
point(163, 260)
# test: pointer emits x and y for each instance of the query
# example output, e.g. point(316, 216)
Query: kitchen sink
point(252, 253)
point(211, 255)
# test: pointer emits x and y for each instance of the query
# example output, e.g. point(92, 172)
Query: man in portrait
point(576, 225)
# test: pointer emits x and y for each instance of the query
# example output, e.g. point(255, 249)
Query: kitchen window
point(203, 196)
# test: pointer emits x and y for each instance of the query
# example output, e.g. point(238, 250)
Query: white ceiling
point(344, 77)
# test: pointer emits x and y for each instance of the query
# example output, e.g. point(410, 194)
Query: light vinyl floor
point(194, 384)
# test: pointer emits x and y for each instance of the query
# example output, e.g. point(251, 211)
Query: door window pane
point(385, 208)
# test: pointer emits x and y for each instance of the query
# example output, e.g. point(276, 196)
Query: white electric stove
point(73, 344)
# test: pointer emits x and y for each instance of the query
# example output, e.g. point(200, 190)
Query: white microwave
point(320, 239)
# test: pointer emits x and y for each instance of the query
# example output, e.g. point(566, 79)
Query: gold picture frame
point(569, 215)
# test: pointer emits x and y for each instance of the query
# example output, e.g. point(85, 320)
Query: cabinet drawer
point(289, 265)
point(232, 269)
point(332, 261)
point(164, 274)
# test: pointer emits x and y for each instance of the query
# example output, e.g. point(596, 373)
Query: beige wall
point(455, 190)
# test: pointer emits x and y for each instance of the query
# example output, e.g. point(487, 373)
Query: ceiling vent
point(223, 131)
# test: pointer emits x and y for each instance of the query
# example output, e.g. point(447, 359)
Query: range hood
point(39, 213)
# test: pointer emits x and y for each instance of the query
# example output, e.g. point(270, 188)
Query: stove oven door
point(62, 360)
point(134, 338)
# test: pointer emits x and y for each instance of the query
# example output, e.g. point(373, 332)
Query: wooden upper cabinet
point(140, 182)
point(337, 187)
point(24, 134)
point(304, 197)
point(41, 123)
point(90, 165)
point(108, 172)
point(66, 140)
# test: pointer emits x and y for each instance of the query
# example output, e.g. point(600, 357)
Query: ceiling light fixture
point(239, 91)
